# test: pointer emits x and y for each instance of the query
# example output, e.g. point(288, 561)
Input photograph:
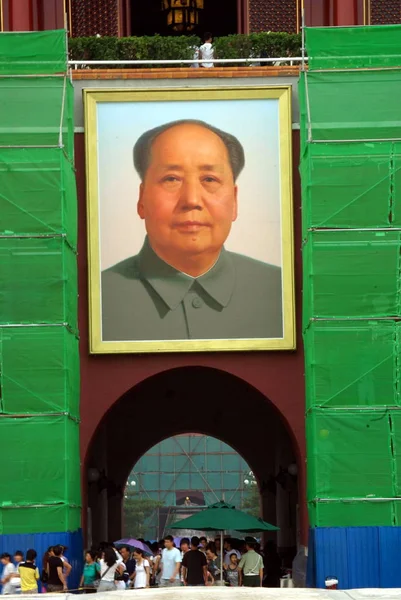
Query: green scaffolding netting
point(38, 193)
point(349, 105)
point(39, 370)
point(353, 514)
point(351, 185)
point(353, 47)
point(39, 519)
point(38, 281)
point(351, 274)
point(42, 461)
point(38, 52)
point(350, 125)
point(349, 454)
point(37, 111)
point(39, 353)
point(352, 364)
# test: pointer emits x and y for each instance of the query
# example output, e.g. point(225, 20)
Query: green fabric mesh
point(38, 193)
point(42, 468)
point(38, 281)
point(38, 519)
point(40, 370)
point(342, 184)
point(39, 353)
point(34, 52)
point(353, 47)
point(350, 125)
point(349, 454)
point(348, 105)
point(36, 112)
point(352, 364)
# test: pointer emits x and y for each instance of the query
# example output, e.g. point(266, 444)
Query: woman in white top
point(142, 570)
point(109, 566)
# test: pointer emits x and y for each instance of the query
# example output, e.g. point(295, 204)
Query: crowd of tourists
point(197, 561)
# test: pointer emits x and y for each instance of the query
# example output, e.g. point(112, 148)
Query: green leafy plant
point(136, 510)
point(157, 47)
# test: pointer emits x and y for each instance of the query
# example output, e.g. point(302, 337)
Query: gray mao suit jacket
point(143, 298)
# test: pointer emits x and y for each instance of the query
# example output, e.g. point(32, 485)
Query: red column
point(20, 15)
point(346, 12)
point(324, 13)
point(30, 15)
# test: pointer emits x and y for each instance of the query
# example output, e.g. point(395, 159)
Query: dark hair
point(169, 538)
point(139, 551)
point(207, 36)
point(203, 538)
point(126, 548)
point(5, 555)
point(91, 553)
point(184, 541)
point(50, 549)
point(19, 553)
point(143, 145)
point(31, 554)
point(195, 541)
point(233, 554)
point(57, 550)
point(110, 557)
point(212, 547)
point(251, 544)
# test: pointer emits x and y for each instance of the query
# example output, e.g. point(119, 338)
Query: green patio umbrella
point(222, 517)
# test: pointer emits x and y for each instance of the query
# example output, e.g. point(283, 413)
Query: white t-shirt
point(206, 52)
point(228, 554)
point(140, 577)
point(170, 558)
point(8, 587)
point(109, 576)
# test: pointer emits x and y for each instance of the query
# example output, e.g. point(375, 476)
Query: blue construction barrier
point(359, 557)
point(41, 541)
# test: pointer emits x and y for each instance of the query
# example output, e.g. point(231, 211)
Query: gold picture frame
point(95, 97)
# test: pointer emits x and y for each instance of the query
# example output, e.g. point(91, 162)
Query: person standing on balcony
point(206, 51)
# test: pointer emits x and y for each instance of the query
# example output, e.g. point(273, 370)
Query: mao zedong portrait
point(184, 284)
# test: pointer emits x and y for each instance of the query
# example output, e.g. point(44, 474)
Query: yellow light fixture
point(182, 15)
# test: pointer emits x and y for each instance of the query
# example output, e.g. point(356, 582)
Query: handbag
point(99, 578)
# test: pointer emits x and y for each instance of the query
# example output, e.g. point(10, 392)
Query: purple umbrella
point(133, 543)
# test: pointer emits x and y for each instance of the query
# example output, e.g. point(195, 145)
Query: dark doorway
point(202, 401)
point(148, 18)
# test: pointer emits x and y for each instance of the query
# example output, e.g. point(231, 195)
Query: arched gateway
point(195, 399)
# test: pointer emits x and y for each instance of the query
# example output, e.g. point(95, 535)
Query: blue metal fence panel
point(362, 553)
point(41, 542)
point(360, 557)
point(331, 555)
point(311, 564)
point(389, 556)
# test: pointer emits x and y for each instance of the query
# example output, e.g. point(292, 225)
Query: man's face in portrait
point(188, 197)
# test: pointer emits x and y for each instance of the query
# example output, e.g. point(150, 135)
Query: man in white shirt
point(206, 51)
point(170, 564)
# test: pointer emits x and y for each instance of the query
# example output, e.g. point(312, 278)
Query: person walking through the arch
point(251, 565)
point(171, 564)
point(194, 565)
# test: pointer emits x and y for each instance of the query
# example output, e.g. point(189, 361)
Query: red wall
point(105, 378)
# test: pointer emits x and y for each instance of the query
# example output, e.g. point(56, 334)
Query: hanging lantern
point(182, 15)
